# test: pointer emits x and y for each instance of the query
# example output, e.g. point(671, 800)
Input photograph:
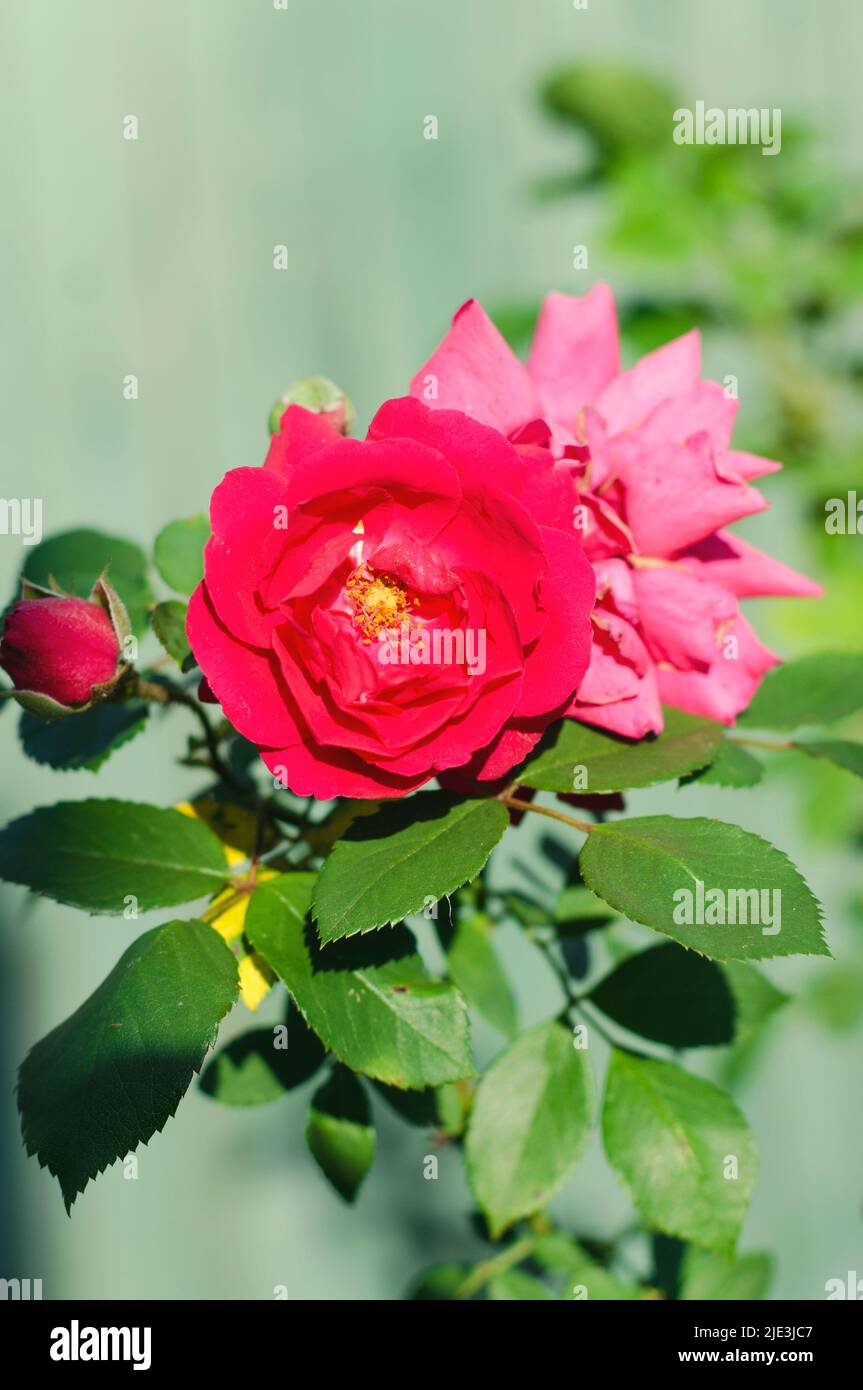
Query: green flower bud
point(322, 396)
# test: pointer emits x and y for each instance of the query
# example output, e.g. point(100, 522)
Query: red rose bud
point(65, 648)
point(319, 394)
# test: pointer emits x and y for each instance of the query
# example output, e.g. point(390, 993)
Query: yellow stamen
point(380, 602)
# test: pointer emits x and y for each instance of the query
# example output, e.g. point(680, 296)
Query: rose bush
point(650, 453)
point(325, 612)
point(435, 522)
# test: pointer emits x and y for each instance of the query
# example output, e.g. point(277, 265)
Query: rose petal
point(474, 370)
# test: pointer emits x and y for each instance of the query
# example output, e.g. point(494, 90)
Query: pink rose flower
point(62, 647)
point(650, 452)
point(332, 566)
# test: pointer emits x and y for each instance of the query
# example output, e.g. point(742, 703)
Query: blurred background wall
point(304, 127)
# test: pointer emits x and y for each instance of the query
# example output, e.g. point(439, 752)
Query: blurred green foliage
point(765, 257)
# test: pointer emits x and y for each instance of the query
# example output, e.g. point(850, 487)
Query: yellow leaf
point(256, 978)
point(236, 827)
point(230, 922)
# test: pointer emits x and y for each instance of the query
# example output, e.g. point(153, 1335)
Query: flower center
point(380, 602)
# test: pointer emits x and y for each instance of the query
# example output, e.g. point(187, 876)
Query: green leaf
point(452, 1104)
point(111, 1076)
point(622, 108)
point(76, 559)
point(97, 854)
point(256, 1068)
point(756, 999)
point(370, 1001)
point(733, 766)
point(340, 1133)
point(525, 911)
point(835, 996)
point(709, 1277)
point(82, 740)
point(615, 764)
point(179, 553)
point(475, 968)
point(842, 752)
point(584, 1278)
point(668, 1254)
point(168, 620)
point(670, 996)
point(441, 1282)
point(529, 1123)
point(686, 877)
point(672, 1138)
point(442, 1107)
point(577, 911)
point(516, 1285)
point(414, 1107)
point(812, 690)
point(383, 869)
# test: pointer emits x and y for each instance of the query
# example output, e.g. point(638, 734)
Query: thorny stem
point(519, 805)
point(163, 692)
point(509, 790)
point(559, 971)
point(260, 832)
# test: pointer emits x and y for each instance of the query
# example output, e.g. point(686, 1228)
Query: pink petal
point(729, 685)
point(744, 571)
point(680, 615)
point(619, 692)
point(675, 497)
point(632, 717)
point(615, 588)
point(747, 466)
point(668, 371)
point(608, 680)
point(474, 370)
point(575, 352)
point(704, 407)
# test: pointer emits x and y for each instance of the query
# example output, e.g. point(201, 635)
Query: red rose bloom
point(376, 612)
